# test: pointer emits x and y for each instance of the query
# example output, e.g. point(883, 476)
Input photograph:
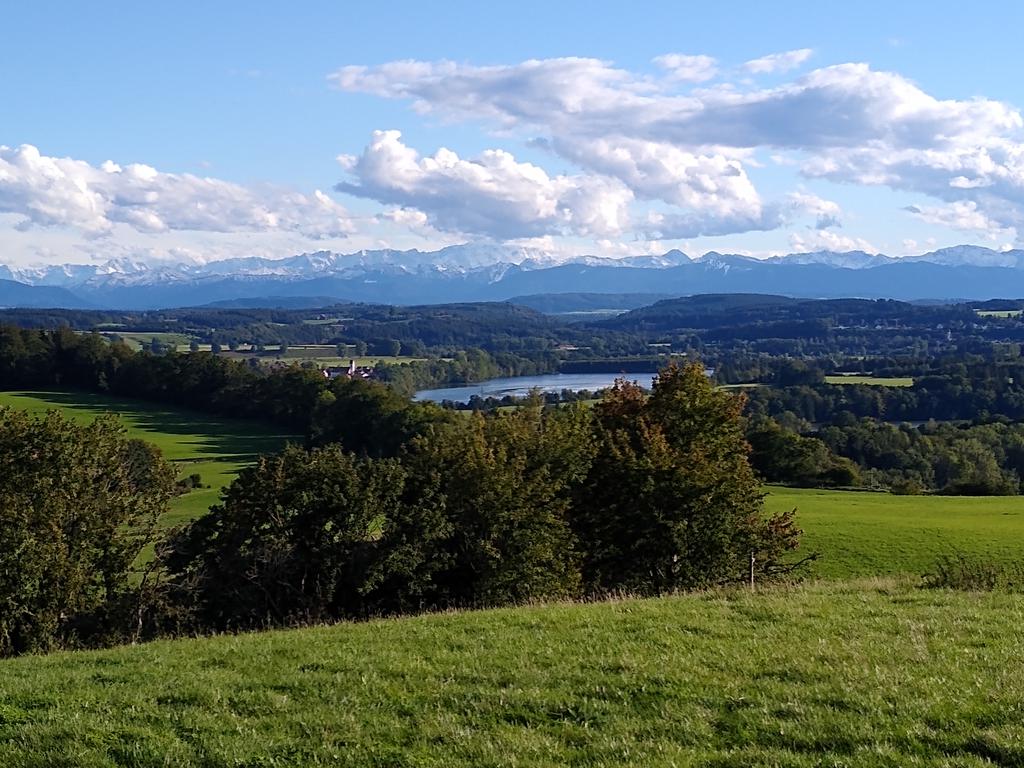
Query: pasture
point(876, 381)
point(860, 674)
point(194, 442)
point(859, 533)
point(139, 339)
point(999, 313)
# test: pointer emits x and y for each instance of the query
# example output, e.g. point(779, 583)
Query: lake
point(520, 386)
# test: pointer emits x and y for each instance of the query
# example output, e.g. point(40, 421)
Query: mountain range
point(493, 272)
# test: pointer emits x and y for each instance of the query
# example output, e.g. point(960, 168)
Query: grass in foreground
point(871, 534)
point(195, 442)
point(840, 675)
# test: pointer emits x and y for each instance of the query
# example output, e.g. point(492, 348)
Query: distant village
point(351, 371)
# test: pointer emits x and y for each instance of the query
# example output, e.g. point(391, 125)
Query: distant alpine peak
point(840, 259)
point(486, 260)
point(972, 256)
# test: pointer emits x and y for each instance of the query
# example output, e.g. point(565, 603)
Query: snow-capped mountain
point(842, 260)
point(489, 272)
point(972, 255)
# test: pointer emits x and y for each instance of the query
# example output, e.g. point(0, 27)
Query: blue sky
point(884, 126)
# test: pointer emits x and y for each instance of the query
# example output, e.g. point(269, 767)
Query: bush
point(973, 573)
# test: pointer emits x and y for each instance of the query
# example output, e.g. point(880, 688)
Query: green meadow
point(1001, 313)
point(860, 533)
point(194, 442)
point(877, 381)
point(138, 340)
point(875, 673)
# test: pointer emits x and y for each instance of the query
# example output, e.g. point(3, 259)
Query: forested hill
point(733, 310)
point(496, 325)
point(562, 303)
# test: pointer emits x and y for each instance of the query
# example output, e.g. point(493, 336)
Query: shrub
point(973, 573)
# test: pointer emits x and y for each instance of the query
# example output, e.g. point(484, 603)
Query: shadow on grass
point(219, 439)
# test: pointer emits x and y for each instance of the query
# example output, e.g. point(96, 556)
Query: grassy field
point(194, 442)
point(878, 381)
point(869, 534)
point(870, 674)
point(998, 312)
point(864, 672)
point(142, 339)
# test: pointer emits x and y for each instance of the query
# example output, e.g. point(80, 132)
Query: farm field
point(863, 674)
point(878, 381)
point(138, 340)
point(1003, 313)
point(333, 360)
point(861, 533)
point(195, 442)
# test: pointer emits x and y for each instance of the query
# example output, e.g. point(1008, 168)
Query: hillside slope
point(869, 674)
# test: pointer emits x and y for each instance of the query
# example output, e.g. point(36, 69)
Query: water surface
point(520, 386)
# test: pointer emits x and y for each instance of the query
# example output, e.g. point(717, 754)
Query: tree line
point(293, 397)
point(414, 509)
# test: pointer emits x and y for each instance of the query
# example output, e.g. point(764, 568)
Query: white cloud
point(63, 192)
point(841, 106)
point(827, 213)
point(826, 240)
point(964, 216)
point(535, 92)
point(778, 62)
point(846, 123)
point(690, 69)
point(660, 171)
point(675, 226)
point(493, 195)
point(753, 218)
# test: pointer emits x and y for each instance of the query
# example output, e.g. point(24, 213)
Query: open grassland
point(876, 381)
point(140, 339)
point(195, 442)
point(868, 534)
point(868, 674)
point(1003, 313)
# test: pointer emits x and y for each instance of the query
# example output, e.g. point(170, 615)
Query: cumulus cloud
point(755, 217)
point(826, 213)
point(846, 105)
point(846, 123)
point(493, 195)
point(675, 226)
point(537, 92)
point(685, 68)
point(64, 192)
point(962, 215)
point(826, 240)
point(661, 171)
point(778, 62)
